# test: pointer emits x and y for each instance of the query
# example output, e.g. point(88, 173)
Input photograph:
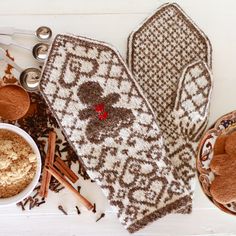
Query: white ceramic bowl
point(28, 190)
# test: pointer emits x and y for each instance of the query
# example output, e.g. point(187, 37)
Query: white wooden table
point(112, 21)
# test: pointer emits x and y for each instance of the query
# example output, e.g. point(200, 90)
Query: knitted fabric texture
point(170, 58)
point(112, 128)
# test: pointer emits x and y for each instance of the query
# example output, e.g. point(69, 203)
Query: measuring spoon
point(29, 78)
point(39, 51)
point(42, 33)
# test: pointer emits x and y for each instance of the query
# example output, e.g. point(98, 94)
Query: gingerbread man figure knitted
point(105, 120)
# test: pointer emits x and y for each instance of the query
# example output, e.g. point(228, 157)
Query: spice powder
point(17, 163)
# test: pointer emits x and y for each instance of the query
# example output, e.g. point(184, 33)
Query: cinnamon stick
point(52, 145)
point(64, 169)
point(66, 184)
point(46, 178)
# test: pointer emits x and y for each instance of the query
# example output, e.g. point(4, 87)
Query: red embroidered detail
point(103, 116)
point(100, 109)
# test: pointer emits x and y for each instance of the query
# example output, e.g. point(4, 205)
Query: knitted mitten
point(170, 58)
point(112, 128)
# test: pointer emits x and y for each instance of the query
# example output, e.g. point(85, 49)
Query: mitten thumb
point(191, 106)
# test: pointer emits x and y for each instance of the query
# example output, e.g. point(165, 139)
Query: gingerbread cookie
point(219, 147)
point(230, 144)
point(223, 165)
point(224, 189)
point(219, 163)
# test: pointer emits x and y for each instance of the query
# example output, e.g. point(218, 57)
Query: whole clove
point(20, 204)
point(59, 141)
point(94, 208)
point(82, 172)
point(59, 189)
point(26, 201)
point(37, 188)
point(35, 202)
point(64, 149)
point(35, 195)
point(101, 216)
point(57, 150)
point(62, 210)
point(31, 203)
point(40, 203)
point(54, 186)
point(78, 188)
point(77, 209)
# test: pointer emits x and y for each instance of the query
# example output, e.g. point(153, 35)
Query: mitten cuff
point(179, 206)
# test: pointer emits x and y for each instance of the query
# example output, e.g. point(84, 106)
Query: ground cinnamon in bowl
point(14, 102)
point(18, 163)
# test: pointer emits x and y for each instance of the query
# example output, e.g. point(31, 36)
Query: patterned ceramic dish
point(223, 125)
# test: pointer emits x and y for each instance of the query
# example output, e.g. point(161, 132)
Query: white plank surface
point(112, 21)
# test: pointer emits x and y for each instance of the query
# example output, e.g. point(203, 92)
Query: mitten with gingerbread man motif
point(112, 128)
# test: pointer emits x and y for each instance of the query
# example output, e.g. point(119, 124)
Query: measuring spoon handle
point(12, 31)
point(7, 41)
point(9, 61)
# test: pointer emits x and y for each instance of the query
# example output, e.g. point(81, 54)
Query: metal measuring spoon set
point(39, 50)
point(29, 78)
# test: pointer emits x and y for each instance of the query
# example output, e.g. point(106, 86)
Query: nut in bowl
point(216, 163)
point(20, 164)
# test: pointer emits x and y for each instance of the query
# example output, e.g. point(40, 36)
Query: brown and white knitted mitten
point(170, 58)
point(112, 128)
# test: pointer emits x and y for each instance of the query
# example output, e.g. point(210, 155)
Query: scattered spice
point(94, 208)
point(40, 203)
point(54, 185)
point(77, 209)
point(82, 172)
point(62, 210)
point(20, 204)
point(36, 188)
point(36, 194)
point(31, 203)
point(59, 189)
point(18, 163)
point(78, 188)
point(56, 174)
point(101, 216)
point(35, 203)
point(26, 201)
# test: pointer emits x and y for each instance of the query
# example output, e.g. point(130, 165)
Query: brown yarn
point(14, 102)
